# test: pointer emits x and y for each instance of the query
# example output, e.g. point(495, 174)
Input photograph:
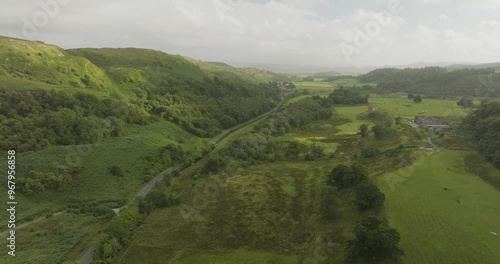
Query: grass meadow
point(428, 107)
point(444, 213)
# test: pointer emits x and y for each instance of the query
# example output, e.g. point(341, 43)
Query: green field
point(351, 82)
point(439, 225)
point(428, 107)
point(315, 84)
point(351, 113)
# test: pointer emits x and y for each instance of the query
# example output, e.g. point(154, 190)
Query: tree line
point(373, 241)
point(484, 124)
point(435, 81)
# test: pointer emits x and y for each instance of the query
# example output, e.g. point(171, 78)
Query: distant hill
point(436, 81)
point(495, 65)
point(101, 70)
point(308, 70)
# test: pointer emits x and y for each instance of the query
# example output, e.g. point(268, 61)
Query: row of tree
point(347, 97)
point(373, 241)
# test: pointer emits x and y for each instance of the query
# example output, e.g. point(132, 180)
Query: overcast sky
point(305, 32)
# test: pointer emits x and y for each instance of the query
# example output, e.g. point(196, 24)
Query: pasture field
point(316, 86)
point(428, 107)
point(444, 213)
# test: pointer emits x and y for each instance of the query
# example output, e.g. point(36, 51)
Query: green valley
point(128, 155)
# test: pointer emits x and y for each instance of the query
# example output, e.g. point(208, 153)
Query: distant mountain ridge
point(359, 70)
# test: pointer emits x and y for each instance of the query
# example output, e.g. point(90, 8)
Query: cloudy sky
point(301, 32)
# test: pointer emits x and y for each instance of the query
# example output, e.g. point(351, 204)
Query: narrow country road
point(226, 132)
point(88, 256)
point(214, 141)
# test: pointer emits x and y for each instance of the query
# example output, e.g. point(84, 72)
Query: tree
point(117, 127)
point(336, 176)
point(370, 152)
point(496, 159)
point(417, 99)
point(379, 131)
point(117, 171)
point(344, 176)
point(368, 196)
point(316, 152)
point(373, 242)
point(411, 96)
point(363, 130)
point(106, 247)
point(465, 102)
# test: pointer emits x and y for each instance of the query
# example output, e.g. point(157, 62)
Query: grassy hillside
point(48, 64)
point(151, 63)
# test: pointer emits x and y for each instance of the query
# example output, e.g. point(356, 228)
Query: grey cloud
point(272, 31)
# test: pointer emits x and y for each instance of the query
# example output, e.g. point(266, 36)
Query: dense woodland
point(484, 124)
point(435, 81)
point(35, 119)
point(347, 97)
point(206, 107)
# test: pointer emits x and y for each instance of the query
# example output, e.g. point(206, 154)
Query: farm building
point(432, 123)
